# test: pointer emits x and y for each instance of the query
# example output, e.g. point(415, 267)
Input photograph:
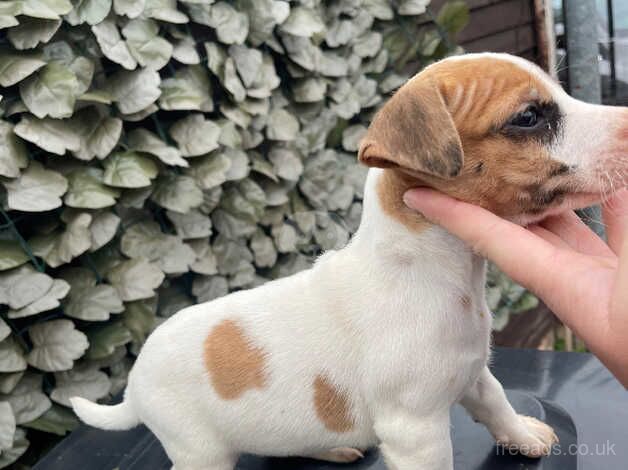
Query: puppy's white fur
point(382, 319)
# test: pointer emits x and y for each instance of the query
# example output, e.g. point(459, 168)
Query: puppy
point(376, 341)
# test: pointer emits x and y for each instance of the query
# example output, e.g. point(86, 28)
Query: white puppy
point(375, 343)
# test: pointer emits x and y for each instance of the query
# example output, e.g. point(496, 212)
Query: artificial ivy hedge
point(158, 153)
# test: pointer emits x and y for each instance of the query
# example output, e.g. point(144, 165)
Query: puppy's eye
point(528, 118)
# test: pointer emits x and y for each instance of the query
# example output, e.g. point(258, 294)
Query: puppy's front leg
point(486, 402)
point(411, 442)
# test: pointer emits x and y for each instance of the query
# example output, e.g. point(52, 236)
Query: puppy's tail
point(111, 418)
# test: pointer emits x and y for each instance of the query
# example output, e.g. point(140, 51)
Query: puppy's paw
point(340, 455)
point(533, 438)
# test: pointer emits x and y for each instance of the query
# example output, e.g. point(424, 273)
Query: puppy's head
point(495, 130)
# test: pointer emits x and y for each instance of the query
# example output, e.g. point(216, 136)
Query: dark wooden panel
point(496, 18)
point(514, 41)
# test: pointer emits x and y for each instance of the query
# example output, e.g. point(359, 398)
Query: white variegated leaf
point(56, 345)
point(37, 189)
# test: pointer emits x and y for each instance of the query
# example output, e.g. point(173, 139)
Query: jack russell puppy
point(377, 341)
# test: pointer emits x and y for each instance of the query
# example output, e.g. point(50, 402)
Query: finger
point(575, 233)
point(548, 236)
point(618, 319)
point(518, 252)
point(615, 215)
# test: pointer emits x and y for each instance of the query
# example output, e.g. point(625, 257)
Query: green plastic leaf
point(22, 286)
point(88, 11)
point(129, 170)
point(263, 250)
point(210, 171)
point(32, 31)
point(82, 382)
point(165, 10)
point(7, 426)
point(231, 26)
point(62, 246)
point(195, 135)
point(11, 356)
point(145, 241)
point(51, 92)
point(134, 91)
point(248, 63)
point(112, 44)
point(87, 300)
point(13, 155)
point(57, 420)
point(192, 224)
point(8, 12)
point(36, 190)
point(232, 81)
point(139, 319)
point(46, 9)
point(8, 381)
point(412, 7)
point(49, 301)
point(177, 193)
point(453, 16)
point(56, 345)
point(135, 279)
point(286, 163)
point(15, 68)
point(27, 399)
point(130, 8)
point(207, 288)
point(103, 228)
point(98, 133)
point(52, 135)
point(352, 136)
point(185, 51)
point(189, 89)
point(146, 46)
point(309, 90)
point(281, 125)
point(87, 191)
point(142, 140)
point(303, 21)
point(19, 447)
point(11, 255)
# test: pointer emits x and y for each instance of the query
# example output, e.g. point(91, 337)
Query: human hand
point(583, 280)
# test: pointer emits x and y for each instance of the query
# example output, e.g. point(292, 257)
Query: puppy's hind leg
point(196, 448)
point(184, 458)
point(339, 455)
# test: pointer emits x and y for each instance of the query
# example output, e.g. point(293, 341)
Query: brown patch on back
point(234, 364)
point(332, 406)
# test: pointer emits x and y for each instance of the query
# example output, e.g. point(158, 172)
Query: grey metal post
point(581, 23)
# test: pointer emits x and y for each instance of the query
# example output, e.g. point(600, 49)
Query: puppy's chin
point(570, 202)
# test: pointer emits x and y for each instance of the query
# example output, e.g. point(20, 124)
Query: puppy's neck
point(390, 188)
point(388, 226)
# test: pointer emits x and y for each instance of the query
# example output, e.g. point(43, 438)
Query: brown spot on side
point(234, 364)
point(332, 406)
point(466, 302)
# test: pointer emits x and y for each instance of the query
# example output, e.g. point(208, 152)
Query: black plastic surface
point(586, 406)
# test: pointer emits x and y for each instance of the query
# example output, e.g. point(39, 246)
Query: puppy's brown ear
point(415, 131)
